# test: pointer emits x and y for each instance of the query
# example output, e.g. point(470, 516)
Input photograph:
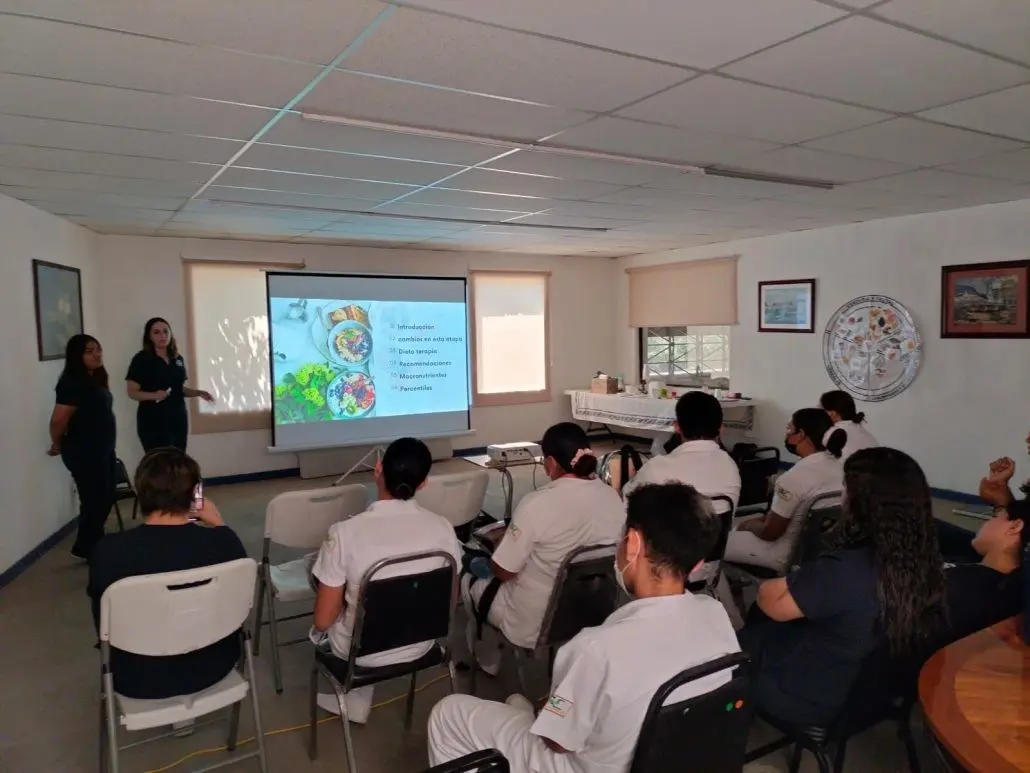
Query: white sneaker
point(184, 728)
point(520, 702)
point(328, 703)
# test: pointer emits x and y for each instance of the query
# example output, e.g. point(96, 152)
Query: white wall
point(969, 403)
point(35, 490)
point(142, 277)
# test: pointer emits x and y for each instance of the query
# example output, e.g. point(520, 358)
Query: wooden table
point(976, 697)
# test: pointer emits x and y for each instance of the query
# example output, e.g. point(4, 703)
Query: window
point(510, 330)
point(227, 351)
point(678, 352)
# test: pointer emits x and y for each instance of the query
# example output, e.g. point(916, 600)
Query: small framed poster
point(58, 295)
point(786, 306)
point(985, 300)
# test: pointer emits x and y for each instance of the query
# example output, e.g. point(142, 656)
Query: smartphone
point(198, 498)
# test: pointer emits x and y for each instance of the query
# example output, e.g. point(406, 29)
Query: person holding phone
point(157, 381)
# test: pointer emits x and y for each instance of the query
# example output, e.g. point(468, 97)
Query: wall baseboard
point(250, 477)
point(37, 552)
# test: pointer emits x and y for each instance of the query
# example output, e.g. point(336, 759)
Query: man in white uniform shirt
point(699, 461)
point(605, 677)
point(393, 526)
point(574, 510)
point(768, 540)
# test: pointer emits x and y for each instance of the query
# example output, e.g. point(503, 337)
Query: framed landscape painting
point(786, 306)
point(986, 300)
point(58, 295)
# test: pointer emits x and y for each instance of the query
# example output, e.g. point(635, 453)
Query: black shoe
point(80, 552)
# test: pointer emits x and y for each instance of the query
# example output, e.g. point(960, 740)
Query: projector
point(508, 453)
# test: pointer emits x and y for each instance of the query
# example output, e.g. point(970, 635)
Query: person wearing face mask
point(605, 677)
point(767, 540)
point(575, 509)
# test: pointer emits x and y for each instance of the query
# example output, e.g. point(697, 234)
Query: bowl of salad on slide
point(351, 395)
point(350, 344)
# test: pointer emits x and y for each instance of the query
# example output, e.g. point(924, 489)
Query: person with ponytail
point(768, 540)
point(840, 407)
point(575, 509)
point(393, 526)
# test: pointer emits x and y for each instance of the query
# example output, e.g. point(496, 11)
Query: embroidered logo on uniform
point(558, 705)
point(514, 531)
point(179, 361)
point(783, 494)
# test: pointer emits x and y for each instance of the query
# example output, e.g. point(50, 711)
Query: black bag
point(617, 467)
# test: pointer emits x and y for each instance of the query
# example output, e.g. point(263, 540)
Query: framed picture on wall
point(786, 306)
point(58, 295)
point(985, 300)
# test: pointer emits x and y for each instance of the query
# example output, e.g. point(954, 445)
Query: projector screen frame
point(464, 279)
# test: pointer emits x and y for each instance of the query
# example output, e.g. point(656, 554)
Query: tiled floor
point(49, 673)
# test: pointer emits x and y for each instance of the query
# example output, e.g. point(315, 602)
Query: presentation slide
point(359, 359)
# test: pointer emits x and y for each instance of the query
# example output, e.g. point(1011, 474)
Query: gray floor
point(49, 673)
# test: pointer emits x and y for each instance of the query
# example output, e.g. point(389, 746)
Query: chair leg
point(135, 508)
point(409, 709)
point(905, 733)
point(102, 712)
point(822, 759)
point(519, 670)
point(112, 724)
point(234, 727)
point(838, 760)
point(259, 728)
point(452, 676)
point(313, 706)
point(118, 513)
point(273, 634)
point(552, 652)
point(795, 758)
point(259, 609)
point(348, 743)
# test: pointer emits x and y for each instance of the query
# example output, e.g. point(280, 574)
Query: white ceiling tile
point(294, 130)
point(712, 185)
point(48, 159)
point(871, 63)
point(908, 141)
point(218, 208)
point(1014, 167)
point(858, 3)
point(361, 96)
point(490, 181)
point(315, 34)
point(618, 135)
point(107, 213)
point(399, 226)
point(315, 201)
point(999, 26)
point(719, 104)
point(933, 182)
point(1005, 112)
point(44, 98)
point(99, 56)
point(573, 168)
point(701, 33)
point(41, 196)
point(422, 47)
point(819, 165)
point(337, 164)
point(456, 198)
point(35, 178)
point(39, 132)
point(406, 207)
point(301, 183)
point(573, 221)
point(103, 227)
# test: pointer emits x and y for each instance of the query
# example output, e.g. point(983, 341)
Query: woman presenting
point(157, 381)
point(82, 433)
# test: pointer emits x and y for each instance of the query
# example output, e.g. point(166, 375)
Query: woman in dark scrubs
point(157, 381)
point(82, 433)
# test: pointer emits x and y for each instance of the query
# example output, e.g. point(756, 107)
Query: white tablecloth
point(650, 413)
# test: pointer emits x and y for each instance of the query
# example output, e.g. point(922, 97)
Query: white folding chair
point(175, 613)
point(299, 520)
point(458, 498)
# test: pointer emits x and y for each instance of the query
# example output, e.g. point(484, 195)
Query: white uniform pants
point(462, 724)
point(487, 650)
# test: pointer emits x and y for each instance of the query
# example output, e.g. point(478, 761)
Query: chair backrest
point(401, 609)
point(458, 498)
point(755, 475)
point(487, 761)
point(820, 519)
point(122, 481)
point(707, 577)
point(301, 519)
point(584, 594)
point(704, 734)
point(177, 612)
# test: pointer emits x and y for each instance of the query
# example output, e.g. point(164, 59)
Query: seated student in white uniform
point(575, 509)
point(840, 406)
point(393, 526)
point(767, 540)
point(699, 461)
point(605, 677)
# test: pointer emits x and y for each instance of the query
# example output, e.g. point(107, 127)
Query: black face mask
point(792, 448)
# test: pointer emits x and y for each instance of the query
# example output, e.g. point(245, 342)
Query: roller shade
point(701, 292)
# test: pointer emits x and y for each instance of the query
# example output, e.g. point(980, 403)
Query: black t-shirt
point(978, 597)
point(91, 428)
point(812, 662)
point(150, 550)
point(153, 374)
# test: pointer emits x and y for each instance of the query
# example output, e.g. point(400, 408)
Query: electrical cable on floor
point(283, 730)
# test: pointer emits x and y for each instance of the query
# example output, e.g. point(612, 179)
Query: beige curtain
point(701, 292)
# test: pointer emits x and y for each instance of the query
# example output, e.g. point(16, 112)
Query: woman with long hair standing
point(157, 381)
point(884, 587)
point(82, 433)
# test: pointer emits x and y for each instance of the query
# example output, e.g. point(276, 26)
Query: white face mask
point(619, 578)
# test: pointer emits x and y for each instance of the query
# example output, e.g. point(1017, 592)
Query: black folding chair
point(756, 474)
point(487, 761)
point(392, 612)
point(712, 567)
point(123, 490)
point(584, 594)
point(704, 734)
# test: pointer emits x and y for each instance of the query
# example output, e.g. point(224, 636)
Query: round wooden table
point(976, 697)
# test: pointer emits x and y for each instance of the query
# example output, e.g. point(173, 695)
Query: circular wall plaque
point(871, 348)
